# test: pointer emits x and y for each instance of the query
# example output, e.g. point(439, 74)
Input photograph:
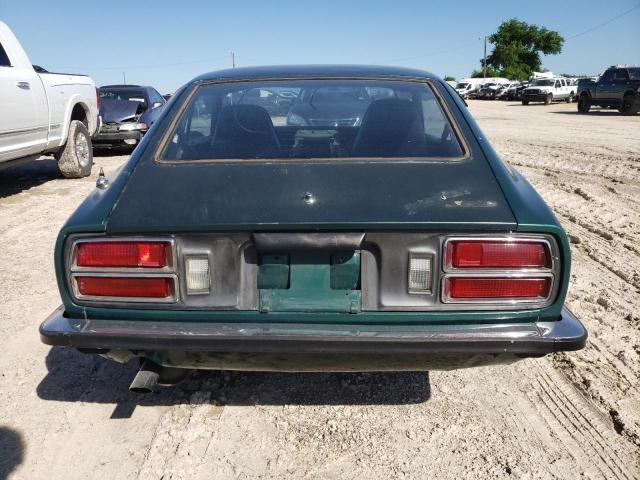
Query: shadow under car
point(74, 376)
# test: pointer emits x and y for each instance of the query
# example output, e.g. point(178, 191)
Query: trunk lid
point(273, 196)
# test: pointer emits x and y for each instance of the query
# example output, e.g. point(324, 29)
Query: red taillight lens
point(497, 254)
point(98, 98)
point(159, 287)
point(123, 254)
point(479, 288)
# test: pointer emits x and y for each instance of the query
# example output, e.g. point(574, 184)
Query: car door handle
point(23, 85)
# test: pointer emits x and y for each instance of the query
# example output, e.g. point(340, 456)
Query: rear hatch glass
point(307, 119)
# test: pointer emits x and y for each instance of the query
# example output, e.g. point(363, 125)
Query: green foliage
point(517, 47)
point(449, 78)
point(491, 72)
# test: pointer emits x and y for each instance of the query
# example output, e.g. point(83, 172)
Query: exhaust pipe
point(147, 377)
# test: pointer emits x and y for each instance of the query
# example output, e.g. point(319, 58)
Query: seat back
point(385, 127)
point(245, 131)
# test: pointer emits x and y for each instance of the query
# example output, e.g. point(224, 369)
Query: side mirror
point(156, 104)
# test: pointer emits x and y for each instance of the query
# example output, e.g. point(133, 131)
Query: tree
point(491, 72)
point(517, 47)
point(449, 78)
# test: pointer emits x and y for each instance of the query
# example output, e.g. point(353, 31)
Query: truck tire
point(76, 157)
point(525, 102)
point(584, 103)
point(629, 105)
point(548, 99)
point(569, 99)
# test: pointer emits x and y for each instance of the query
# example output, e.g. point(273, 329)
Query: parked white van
point(468, 85)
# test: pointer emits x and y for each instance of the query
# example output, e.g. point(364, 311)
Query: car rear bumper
point(316, 347)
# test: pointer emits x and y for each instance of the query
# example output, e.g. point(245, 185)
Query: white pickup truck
point(549, 89)
point(44, 113)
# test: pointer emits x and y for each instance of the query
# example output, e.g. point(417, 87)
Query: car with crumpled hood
point(127, 112)
point(232, 239)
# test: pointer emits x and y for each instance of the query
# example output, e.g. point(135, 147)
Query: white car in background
point(42, 112)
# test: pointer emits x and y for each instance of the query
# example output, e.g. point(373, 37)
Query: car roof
point(123, 87)
point(313, 71)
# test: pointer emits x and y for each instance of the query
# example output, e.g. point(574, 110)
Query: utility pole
point(233, 60)
point(124, 79)
point(484, 63)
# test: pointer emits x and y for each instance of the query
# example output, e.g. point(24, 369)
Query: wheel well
point(629, 92)
point(79, 113)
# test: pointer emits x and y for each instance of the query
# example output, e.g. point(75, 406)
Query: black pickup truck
point(618, 87)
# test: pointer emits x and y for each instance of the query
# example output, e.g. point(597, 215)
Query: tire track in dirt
point(581, 428)
point(574, 159)
point(609, 238)
point(589, 224)
point(626, 193)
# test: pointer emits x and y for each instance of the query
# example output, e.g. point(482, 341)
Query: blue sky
point(165, 44)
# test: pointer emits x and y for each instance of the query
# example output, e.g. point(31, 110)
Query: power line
point(129, 67)
point(440, 52)
point(603, 23)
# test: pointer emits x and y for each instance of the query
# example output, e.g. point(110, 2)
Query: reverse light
point(197, 275)
point(125, 287)
point(491, 288)
point(123, 254)
point(497, 254)
point(420, 268)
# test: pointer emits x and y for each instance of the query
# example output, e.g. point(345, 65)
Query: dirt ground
point(68, 415)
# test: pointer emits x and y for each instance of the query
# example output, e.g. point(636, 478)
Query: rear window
point(312, 119)
point(542, 83)
point(634, 73)
point(125, 95)
point(4, 59)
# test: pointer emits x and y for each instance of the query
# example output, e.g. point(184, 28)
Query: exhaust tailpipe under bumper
point(147, 378)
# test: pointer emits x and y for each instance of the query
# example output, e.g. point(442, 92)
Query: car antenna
point(102, 182)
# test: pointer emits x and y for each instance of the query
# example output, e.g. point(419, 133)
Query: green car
point(313, 218)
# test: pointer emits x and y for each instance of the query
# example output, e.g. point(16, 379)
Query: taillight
point(97, 98)
point(501, 271)
point(133, 254)
point(497, 254)
point(123, 270)
point(137, 287)
point(469, 287)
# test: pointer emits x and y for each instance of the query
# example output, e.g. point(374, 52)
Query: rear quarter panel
point(64, 93)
